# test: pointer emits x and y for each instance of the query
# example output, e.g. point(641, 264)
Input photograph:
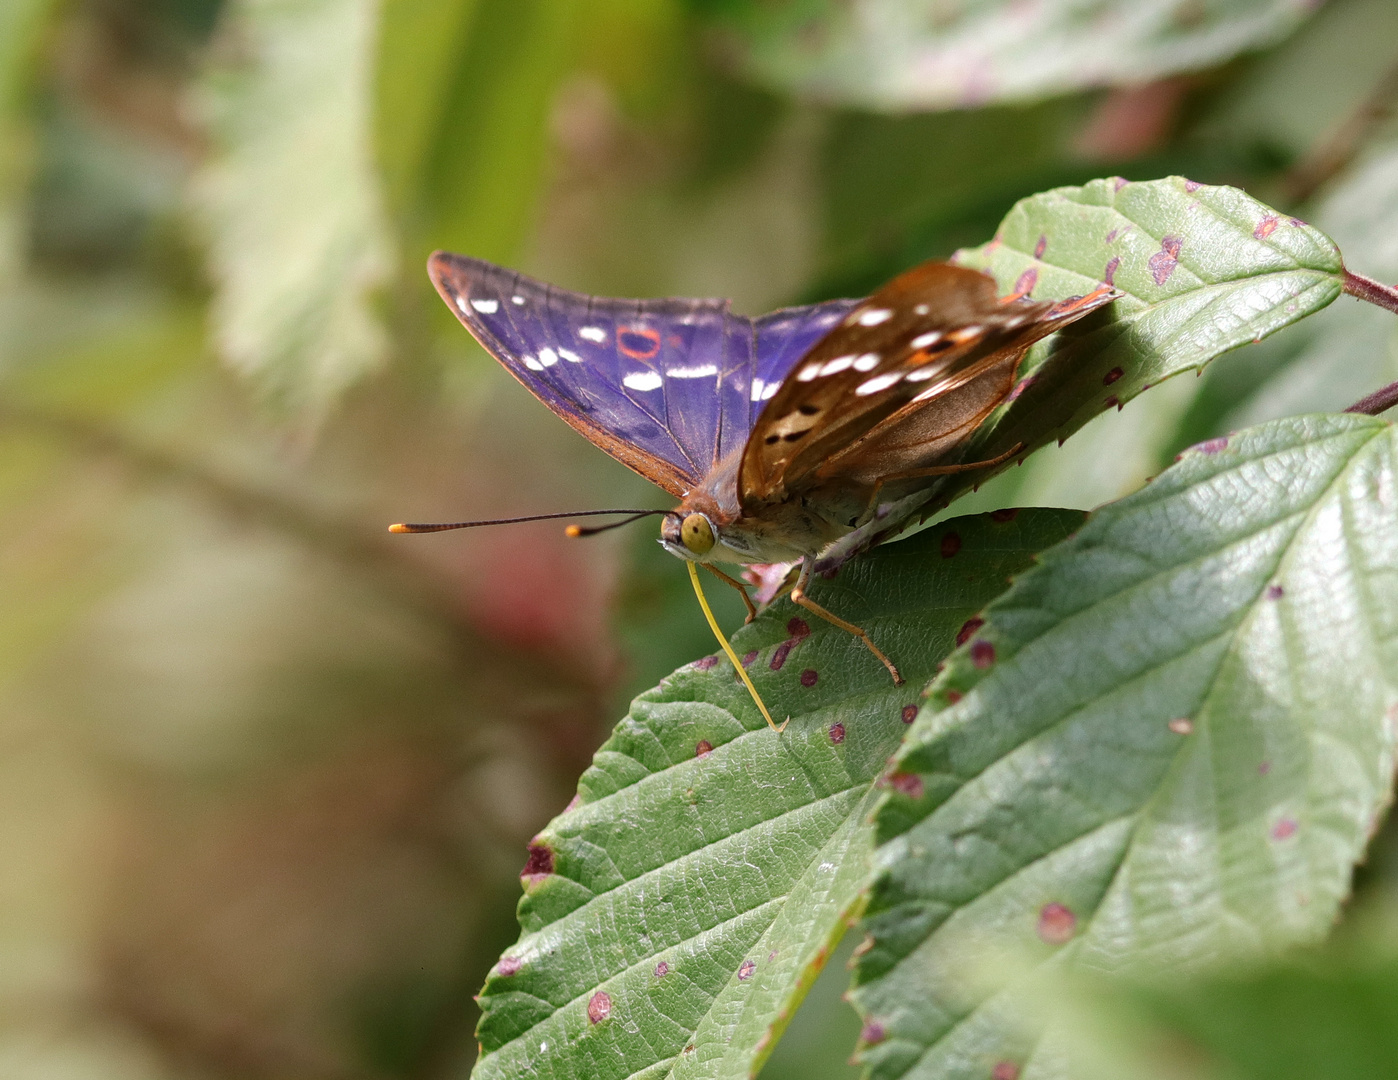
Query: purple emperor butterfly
point(777, 435)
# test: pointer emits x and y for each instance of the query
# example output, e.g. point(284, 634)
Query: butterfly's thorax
point(777, 530)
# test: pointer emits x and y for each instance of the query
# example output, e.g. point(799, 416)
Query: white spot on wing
point(807, 373)
point(531, 363)
point(834, 367)
point(867, 362)
point(771, 390)
point(757, 386)
point(593, 333)
point(877, 383)
point(518, 301)
point(700, 371)
point(486, 307)
point(548, 357)
point(921, 309)
point(922, 374)
point(643, 380)
point(874, 316)
point(924, 340)
point(570, 356)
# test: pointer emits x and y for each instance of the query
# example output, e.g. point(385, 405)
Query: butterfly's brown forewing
point(898, 385)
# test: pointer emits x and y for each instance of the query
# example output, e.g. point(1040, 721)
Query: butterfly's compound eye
point(697, 534)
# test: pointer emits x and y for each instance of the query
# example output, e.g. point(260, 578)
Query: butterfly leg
point(742, 590)
point(944, 470)
point(798, 594)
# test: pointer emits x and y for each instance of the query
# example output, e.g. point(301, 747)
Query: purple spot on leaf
point(1284, 829)
point(1057, 924)
point(909, 713)
point(599, 1007)
point(809, 677)
point(662, 969)
point(1192, 185)
point(779, 657)
point(909, 784)
point(798, 628)
point(1005, 1070)
point(982, 653)
point(746, 969)
point(872, 1033)
point(1266, 227)
point(1275, 592)
point(1212, 446)
point(1112, 376)
point(509, 965)
point(1002, 516)
point(749, 657)
point(837, 733)
point(1109, 274)
point(1026, 282)
point(705, 662)
point(1041, 246)
point(951, 544)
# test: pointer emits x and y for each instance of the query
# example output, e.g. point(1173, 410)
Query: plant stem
point(1375, 292)
point(1376, 402)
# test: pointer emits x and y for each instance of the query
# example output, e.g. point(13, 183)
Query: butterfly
point(776, 435)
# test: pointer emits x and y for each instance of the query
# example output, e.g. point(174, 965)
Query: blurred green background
point(266, 772)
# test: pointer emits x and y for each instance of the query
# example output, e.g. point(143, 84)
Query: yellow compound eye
point(697, 534)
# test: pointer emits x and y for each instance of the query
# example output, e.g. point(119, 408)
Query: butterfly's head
point(688, 535)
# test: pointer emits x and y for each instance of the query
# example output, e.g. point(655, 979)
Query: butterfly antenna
point(728, 650)
point(576, 531)
point(572, 530)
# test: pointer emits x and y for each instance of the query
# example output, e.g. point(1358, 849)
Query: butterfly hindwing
point(667, 387)
point(920, 362)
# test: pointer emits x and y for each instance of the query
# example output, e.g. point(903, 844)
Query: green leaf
point(1165, 746)
point(298, 242)
point(893, 55)
point(1201, 270)
point(675, 914)
point(486, 165)
point(1334, 361)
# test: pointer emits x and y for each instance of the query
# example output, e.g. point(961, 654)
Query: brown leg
point(752, 611)
point(944, 470)
point(798, 594)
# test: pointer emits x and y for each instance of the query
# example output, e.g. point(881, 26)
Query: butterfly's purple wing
point(667, 387)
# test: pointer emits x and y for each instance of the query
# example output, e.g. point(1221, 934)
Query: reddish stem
point(1375, 292)
point(1376, 402)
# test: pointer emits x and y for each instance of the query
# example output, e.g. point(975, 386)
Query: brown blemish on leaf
point(982, 653)
point(1041, 246)
point(1162, 264)
point(745, 970)
point(837, 733)
point(1002, 516)
point(909, 713)
point(968, 628)
point(539, 863)
point(1109, 273)
point(809, 677)
point(1112, 376)
point(951, 544)
point(1266, 227)
point(909, 784)
point(779, 657)
point(1026, 281)
point(798, 628)
point(703, 748)
point(704, 663)
point(599, 1007)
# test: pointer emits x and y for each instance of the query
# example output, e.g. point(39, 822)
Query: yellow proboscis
point(728, 650)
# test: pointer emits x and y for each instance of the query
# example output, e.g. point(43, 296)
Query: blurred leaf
point(1165, 746)
point(895, 55)
point(1201, 271)
point(22, 23)
point(420, 46)
point(298, 242)
point(677, 913)
point(485, 172)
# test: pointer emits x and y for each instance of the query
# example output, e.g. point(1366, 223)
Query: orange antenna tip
point(573, 530)
point(399, 528)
